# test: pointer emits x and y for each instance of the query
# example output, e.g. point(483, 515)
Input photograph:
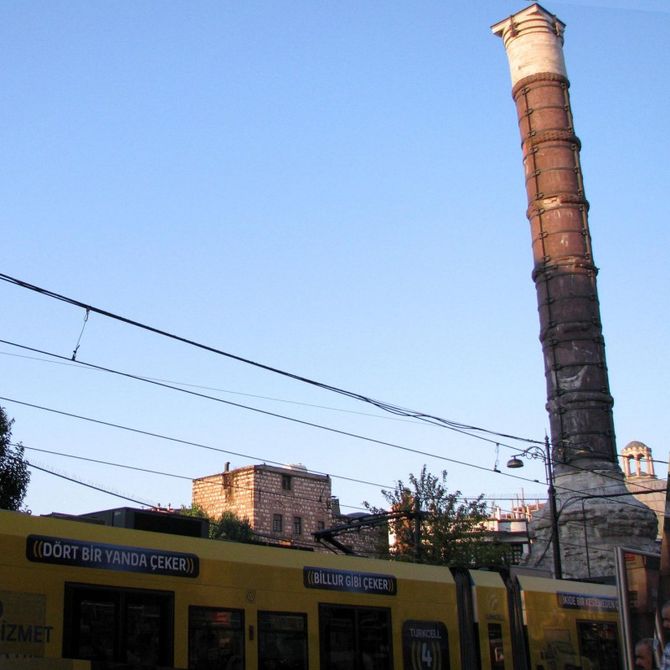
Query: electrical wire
point(208, 447)
point(242, 455)
point(237, 486)
point(537, 561)
point(74, 364)
point(274, 414)
point(247, 407)
point(293, 419)
point(342, 477)
point(593, 545)
point(300, 421)
point(95, 460)
point(90, 486)
point(385, 406)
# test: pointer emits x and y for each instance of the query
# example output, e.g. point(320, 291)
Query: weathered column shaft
point(578, 397)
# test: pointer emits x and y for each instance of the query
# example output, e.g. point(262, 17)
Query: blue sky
point(333, 189)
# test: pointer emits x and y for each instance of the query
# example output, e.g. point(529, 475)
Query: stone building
point(285, 505)
point(642, 482)
point(511, 528)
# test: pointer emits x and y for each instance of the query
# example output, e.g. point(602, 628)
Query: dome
point(636, 447)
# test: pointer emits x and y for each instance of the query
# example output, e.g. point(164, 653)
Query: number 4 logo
point(426, 655)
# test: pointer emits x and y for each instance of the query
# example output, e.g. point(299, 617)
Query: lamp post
point(545, 456)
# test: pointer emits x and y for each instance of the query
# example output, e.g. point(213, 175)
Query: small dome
point(636, 448)
point(637, 461)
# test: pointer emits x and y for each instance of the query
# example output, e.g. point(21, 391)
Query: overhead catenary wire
point(281, 416)
point(90, 486)
point(243, 455)
point(145, 503)
point(173, 475)
point(274, 414)
point(268, 413)
point(125, 466)
point(76, 480)
point(161, 473)
point(75, 364)
point(163, 384)
point(461, 428)
point(300, 421)
point(385, 406)
point(258, 410)
point(275, 494)
point(226, 451)
point(202, 387)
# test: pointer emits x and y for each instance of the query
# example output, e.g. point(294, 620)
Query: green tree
point(14, 475)
point(227, 527)
point(230, 527)
point(432, 525)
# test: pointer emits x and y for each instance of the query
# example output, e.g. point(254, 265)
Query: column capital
point(533, 40)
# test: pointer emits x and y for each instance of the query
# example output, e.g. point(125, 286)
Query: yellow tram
point(81, 595)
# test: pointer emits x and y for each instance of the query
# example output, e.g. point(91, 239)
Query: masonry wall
point(226, 492)
point(259, 493)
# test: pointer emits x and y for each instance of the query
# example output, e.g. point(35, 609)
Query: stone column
point(579, 402)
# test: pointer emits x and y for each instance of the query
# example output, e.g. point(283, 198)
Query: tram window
point(599, 644)
point(118, 625)
point(355, 638)
point(496, 647)
point(215, 638)
point(143, 626)
point(282, 641)
point(95, 628)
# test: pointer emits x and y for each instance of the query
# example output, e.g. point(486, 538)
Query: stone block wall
point(259, 492)
point(225, 492)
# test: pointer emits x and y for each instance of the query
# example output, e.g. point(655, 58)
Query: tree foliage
point(14, 475)
point(431, 525)
point(230, 527)
point(227, 527)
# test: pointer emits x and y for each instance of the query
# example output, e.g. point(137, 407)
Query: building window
point(277, 523)
point(297, 525)
point(320, 525)
point(516, 553)
point(286, 482)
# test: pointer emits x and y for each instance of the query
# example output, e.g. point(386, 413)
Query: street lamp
point(545, 456)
